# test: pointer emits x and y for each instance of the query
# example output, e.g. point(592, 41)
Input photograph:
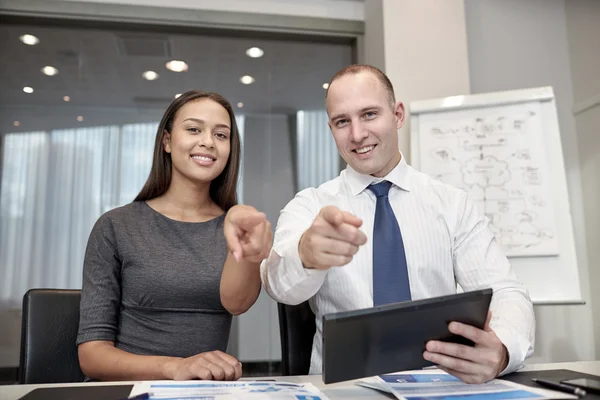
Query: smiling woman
point(163, 258)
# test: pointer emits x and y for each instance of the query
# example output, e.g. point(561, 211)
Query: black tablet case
point(391, 338)
point(90, 392)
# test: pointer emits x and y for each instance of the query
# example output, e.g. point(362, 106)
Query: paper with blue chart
point(497, 156)
point(217, 390)
point(438, 385)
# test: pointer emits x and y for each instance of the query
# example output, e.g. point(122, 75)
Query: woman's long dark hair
point(223, 187)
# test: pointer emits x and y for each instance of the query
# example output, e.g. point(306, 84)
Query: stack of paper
point(217, 390)
point(438, 385)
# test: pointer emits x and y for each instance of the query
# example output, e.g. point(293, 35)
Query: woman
point(159, 284)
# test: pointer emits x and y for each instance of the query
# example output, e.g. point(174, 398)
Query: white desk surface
point(342, 390)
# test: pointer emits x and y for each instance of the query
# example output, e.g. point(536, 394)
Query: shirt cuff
point(286, 278)
point(516, 347)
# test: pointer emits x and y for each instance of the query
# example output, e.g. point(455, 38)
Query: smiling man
point(382, 232)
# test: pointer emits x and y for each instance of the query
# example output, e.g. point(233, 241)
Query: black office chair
point(297, 330)
point(49, 331)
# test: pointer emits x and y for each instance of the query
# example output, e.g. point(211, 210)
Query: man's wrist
point(504, 361)
point(300, 252)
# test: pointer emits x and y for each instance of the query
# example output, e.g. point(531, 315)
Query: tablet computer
point(86, 392)
point(392, 337)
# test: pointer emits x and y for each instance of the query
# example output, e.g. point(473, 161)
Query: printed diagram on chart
point(496, 160)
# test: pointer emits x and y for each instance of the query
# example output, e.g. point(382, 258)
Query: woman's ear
point(167, 141)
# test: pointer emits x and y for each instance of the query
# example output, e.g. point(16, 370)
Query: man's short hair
point(358, 68)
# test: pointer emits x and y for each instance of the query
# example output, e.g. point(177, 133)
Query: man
point(383, 232)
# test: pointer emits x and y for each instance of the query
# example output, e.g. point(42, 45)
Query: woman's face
point(199, 141)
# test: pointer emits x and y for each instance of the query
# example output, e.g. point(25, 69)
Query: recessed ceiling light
point(28, 89)
point(177, 66)
point(240, 104)
point(255, 52)
point(150, 75)
point(29, 39)
point(80, 118)
point(246, 79)
point(325, 86)
point(16, 123)
point(66, 98)
point(49, 70)
point(177, 95)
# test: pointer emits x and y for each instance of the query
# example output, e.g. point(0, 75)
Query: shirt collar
point(399, 176)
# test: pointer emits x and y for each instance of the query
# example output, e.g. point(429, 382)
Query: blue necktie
point(390, 273)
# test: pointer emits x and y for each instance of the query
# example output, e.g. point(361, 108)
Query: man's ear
point(399, 113)
point(167, 141)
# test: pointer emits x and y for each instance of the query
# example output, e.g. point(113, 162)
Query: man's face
point(364, 123)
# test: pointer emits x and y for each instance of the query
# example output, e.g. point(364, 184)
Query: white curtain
point(318, 158)
point(137, 147)
point(55, 185)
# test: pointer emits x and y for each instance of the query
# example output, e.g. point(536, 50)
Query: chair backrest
point(48, 334)
point(297, 330)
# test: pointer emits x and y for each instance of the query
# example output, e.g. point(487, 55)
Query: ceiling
point(101, 71)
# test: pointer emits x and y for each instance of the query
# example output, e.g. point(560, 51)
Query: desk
point(342, 390)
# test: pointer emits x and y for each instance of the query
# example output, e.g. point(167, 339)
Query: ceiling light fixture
point(176, 66)
point(16, 123)
point(66, 98)
point(255, 52)
point(28, 89)
point(80, 118)
point(177, 95)
point(150, 75)
point(29, 39)
point(49, 70)
point(247, 79)
point(325, 86)
point(240, 104)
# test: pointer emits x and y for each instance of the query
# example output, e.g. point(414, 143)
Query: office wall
point(268, 186)
point(424, 49)
point(583, 32)
point(517, 44)
point(10, 337)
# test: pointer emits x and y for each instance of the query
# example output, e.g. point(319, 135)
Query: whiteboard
point(504, 149)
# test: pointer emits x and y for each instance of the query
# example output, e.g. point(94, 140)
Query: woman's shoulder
point(126, 214)
point(131, 210)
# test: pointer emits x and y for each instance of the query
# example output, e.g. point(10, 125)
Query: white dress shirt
point(446, 238)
